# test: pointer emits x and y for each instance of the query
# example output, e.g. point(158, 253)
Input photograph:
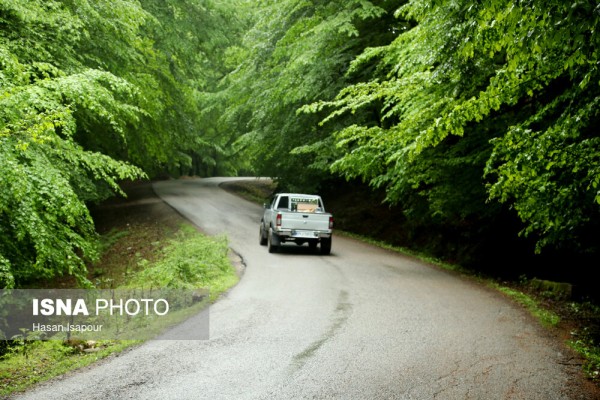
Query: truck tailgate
point(308, 221)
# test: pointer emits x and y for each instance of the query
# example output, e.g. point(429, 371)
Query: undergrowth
point(183, 258)
point(29, 363)
point(190, 260)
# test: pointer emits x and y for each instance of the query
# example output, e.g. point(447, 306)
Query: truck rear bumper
point(301, 235)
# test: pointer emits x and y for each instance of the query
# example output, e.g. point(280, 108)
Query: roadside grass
point(581, 318)
point(178, 257)
point(546, 317)
point(191, 260)
point(584, 339)
point(38, 361)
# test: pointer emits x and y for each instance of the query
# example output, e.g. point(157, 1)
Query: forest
point(473, 124)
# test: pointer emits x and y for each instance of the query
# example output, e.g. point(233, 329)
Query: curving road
point(362, 323)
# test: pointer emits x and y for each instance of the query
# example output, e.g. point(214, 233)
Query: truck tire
point(325, 246)
point(262, 237)
point(273, 247)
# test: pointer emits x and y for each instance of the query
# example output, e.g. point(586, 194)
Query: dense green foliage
point(296, 52)
point(45, 175)
point(93, 92)
point(191, 260)
point(485, 82)
point(466, 113)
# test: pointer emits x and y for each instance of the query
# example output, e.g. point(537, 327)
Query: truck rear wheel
point(325, 246)
point(273, 247)
point(262, 237)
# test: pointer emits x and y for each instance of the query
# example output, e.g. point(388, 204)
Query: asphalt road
point(362, 323)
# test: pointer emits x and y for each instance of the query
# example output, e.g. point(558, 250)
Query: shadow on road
point(289, 249)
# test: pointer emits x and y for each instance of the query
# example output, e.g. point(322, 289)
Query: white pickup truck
point(299, 218)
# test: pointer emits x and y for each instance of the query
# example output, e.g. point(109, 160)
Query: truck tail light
point(278, 220)
point(330, 222)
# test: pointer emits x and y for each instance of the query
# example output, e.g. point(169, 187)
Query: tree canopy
point(531, 67)
point(91, 93)
point(463, 112)
point(296, 52)
point(458, 109)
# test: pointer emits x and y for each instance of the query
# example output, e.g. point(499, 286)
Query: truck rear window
point(306, 204)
